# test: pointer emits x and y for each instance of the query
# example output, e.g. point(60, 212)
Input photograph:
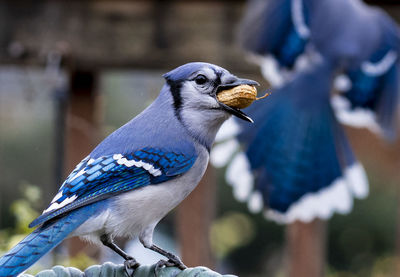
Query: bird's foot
point(130, 265)
point(172, 261)
point(176, 261)
point(163, 263)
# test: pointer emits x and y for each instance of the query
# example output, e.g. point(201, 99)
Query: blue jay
point(297, 163)
point(132, 179)
point(287, 36)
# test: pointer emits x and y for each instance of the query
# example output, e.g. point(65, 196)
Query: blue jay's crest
point(96, 179)
point(297, 163)
point(184, 72)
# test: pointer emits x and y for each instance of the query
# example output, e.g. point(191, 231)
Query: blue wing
point(300, 162)
point(373, 87)
point(280, 30)
point(364, 43)
point(377, 93)
point(97, 179)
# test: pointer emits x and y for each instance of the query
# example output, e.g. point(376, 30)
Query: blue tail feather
point(42, 240)
point(297, 146)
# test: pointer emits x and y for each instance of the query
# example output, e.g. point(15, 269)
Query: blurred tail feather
point(297, 160)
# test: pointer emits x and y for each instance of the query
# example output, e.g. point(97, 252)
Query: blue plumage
point(275, 31)
point(291, 49)
point(43, 239)
point(293, 149)
point(376, 91)
point(135, 176)
point(297, 161)
point(360, 41)
point(106, 176)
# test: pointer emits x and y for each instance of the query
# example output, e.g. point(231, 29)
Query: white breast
point(130, 213)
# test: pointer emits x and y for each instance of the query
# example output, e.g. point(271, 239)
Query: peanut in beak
point(239, 97)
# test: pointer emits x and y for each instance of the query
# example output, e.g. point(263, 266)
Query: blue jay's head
point(194, 88)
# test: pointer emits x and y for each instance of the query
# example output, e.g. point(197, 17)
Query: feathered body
point(139, 173)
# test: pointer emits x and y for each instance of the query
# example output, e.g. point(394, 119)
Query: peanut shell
point(238, 97)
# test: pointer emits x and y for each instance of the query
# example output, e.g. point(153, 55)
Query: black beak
point(234, 111)
point(236, 83)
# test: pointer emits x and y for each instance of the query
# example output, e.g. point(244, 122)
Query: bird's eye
point(200, 79)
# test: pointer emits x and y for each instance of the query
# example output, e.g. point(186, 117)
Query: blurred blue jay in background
point(139, 173)
point(299, 164)
point(361, 42)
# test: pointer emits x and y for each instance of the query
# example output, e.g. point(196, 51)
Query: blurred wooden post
point(82, 130)
point(194, 217)
point(306, 248)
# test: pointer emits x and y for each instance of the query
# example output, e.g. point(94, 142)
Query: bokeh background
point(71, 72)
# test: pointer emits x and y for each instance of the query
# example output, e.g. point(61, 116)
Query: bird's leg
point(130, 262)
point(146, 238)
point(173, 260)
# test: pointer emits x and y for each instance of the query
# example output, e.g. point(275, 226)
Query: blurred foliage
point(229, 232)
point(80, 261)
point(24, 211)
point(358, 242)
point(382, 267)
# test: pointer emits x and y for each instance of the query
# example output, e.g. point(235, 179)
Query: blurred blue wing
point(275, 31)
point(100, 178)
point(297, 153)
point(345, 32)
point(364, 42)
point(374, 93)
point(299, 161)
point(366, 86)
